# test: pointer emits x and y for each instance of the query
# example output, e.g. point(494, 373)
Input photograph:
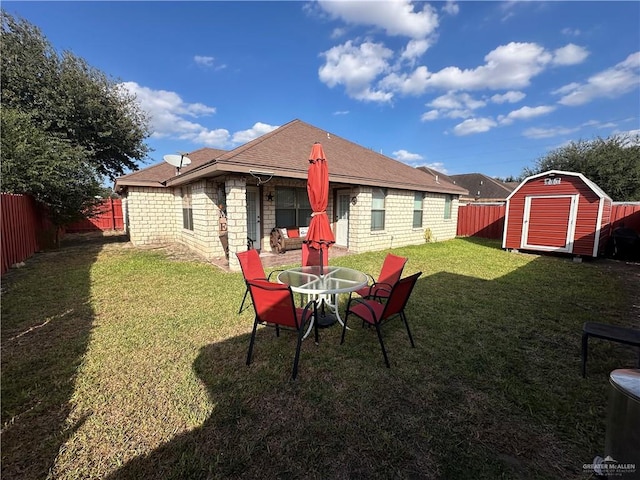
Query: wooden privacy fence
point(108, 216)
point(26, 228)
point(627, 214)
point(487, 220)
point(24, 224)
point(481, 220)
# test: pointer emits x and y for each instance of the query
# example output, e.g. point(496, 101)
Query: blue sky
point(462, 87)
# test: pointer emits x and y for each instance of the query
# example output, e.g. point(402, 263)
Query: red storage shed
point(557, 211)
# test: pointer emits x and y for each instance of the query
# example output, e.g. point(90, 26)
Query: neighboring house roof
point(284, 152)
point(438, 176)
point(482, 187)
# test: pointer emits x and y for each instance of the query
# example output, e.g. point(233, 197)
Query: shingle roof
point(481, 186)
point(156, 175)
point(440, 177)
point(285, 152)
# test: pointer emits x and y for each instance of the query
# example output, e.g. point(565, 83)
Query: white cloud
point(451, 7)
point(167, 114)
point(218, 138)
point(525, 113)
point(204, 61)
point(165, 101)
point(430, 115)
point(438, 166)
point(571, 32)
point(568, 88)
point(599, 124)
point(396, 18)
point(414, 49)
point(570, 55)
point(338, 32)
point(508, 66)
point(256, 131)
point(405, 156)
point(453, 100)
point(610, 83)
point(167, 111)
point(511, 96)
point(341, 112)
point(548, 132)
point(474, 125)
point(356, 67)
point(414, 83)
point(633, 139)
point(452, 105)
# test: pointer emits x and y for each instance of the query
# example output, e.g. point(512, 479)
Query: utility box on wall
point(557, 211)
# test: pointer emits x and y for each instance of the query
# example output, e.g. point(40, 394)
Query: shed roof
point(595, 188)
point(284, 152)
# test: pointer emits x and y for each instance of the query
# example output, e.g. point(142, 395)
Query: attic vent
point(437, 179)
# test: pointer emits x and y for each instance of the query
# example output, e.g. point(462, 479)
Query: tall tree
point(613, 163)
point(65, 124)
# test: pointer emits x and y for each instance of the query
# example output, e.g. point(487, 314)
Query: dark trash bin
point(625, 244)
point(622, 441)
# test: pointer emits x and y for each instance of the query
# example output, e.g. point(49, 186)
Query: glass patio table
point(324, 284)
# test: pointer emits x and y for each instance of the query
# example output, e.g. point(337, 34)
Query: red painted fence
point(627, 214)
point(487, 220)
point(108, 217)
point(26, 229)
point(481, 220)
point(23, 224)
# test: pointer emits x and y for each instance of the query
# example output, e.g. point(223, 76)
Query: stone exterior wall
point(441, 228)
point(155, 216)
point(398, 223)
point(204, 238)
point(236, 189)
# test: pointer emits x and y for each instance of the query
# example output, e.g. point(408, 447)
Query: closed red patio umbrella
point(319, 236)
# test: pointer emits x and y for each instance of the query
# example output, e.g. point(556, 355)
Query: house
point(222, 199)
point(482, 188)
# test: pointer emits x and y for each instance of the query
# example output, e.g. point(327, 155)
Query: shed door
point(549, 222)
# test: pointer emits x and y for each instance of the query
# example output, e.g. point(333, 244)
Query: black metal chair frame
point(384, 315)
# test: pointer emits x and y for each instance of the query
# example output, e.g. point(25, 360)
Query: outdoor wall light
point(354, 200)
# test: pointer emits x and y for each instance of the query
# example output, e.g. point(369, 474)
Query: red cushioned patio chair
point(389, 275)
point(274, 306)
point(252, 269)
point(376, 312)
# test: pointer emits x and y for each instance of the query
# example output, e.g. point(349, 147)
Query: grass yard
point(123, 364)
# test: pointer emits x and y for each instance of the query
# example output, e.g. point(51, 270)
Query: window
point(377, 209)
point(187, 209)
point(448, 200)
point(292, 207)
point(417, 210)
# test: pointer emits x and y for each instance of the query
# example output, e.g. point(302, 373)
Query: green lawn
point(120, 363)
